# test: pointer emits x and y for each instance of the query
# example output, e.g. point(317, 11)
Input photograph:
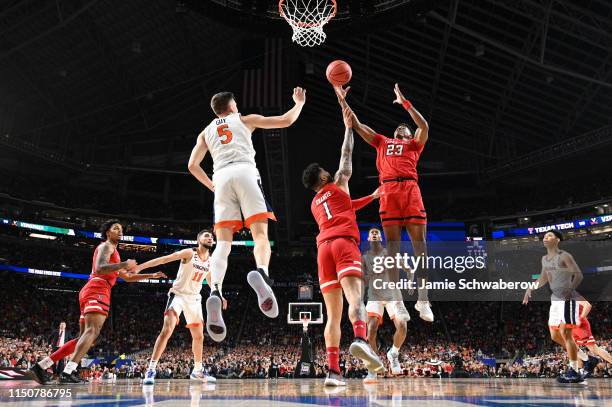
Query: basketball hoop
point(307, 18)
point(305, 313)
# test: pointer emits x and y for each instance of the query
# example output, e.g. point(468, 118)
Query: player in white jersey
point(560, 271)
point(184, 298)
point(378, 301)
point(239, 199)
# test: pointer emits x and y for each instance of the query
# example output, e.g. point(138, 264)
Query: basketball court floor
point(303, 392)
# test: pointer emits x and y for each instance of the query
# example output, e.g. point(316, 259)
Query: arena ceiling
point(98, 85)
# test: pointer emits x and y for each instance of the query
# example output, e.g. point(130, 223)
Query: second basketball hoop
point(307, 19)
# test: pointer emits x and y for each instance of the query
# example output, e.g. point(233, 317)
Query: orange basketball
point(339, 73)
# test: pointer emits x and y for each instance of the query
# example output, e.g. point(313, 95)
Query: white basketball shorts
point(239, 197)
point(189, 305)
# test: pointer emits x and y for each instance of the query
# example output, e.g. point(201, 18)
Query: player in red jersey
point(94, 301)
point(339, 259)
point(584, 337)
point(401, 204)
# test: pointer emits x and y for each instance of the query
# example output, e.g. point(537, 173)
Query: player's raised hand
point(130, 264)
point(399, 96)
point(299, 95)
point(341, 93)
point(347, 117)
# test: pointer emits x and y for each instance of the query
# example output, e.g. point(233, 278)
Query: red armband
point(407, 105)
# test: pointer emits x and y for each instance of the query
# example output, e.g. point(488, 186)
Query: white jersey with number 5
point(190, 276)
point(229, 141)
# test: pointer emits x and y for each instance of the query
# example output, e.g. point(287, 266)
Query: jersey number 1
point(224, 134)
point(327, 211)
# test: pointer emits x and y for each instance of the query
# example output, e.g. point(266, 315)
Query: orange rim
point(306, 25)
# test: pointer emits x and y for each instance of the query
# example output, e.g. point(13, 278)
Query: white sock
point(394, 349)
point(46, 363)
point(70, 367)
point(218, 264)
point(152, 364)
point(197, 367)
point(574, 364)
point(265, 270)
point(423, 294)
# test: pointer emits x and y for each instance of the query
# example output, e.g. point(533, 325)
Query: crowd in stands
point(261, 348)
point(280, 361)
point(257, 346)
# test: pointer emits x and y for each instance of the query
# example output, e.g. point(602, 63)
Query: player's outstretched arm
point(362, 202)
point(102, 261)
point(256, 121)
point(182, 255)
point(364, 131)
point(129, 277)
point(195, 160)
point(346, 158)
point(422, 133)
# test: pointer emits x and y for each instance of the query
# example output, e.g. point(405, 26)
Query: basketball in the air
point(339, 73)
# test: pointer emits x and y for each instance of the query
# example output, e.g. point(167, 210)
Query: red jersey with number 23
point(396, 157)
point(333, 210)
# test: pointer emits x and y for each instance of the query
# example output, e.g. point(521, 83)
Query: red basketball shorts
point(95, 296)
point(337, 258)
point(401, 203)
point(582, 333)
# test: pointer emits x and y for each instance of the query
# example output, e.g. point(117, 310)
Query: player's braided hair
point(106, 227)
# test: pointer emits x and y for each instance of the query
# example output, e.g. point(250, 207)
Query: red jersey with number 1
point(333, 210)
point(396, 157)
point(111, 278)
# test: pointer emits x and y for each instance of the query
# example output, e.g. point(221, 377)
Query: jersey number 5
point(224, 134)
point(395, 149)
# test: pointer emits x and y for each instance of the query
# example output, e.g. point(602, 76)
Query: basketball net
point(307, 19)
point(305, 321)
